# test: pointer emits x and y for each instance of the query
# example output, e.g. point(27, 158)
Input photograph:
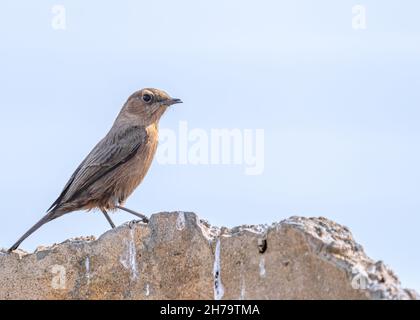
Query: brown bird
point(117, 164)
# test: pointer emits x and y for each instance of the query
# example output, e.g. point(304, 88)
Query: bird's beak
point(172, 101)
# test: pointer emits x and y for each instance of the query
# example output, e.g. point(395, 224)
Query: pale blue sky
point(340, 110)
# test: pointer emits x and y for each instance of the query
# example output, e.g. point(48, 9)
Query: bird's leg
point(142, 216)
point(108, 218)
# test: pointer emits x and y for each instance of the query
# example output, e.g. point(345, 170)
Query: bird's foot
point(142, 216)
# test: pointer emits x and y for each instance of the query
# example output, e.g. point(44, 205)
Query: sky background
point(340, 110)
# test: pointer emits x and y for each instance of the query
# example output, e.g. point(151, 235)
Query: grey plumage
point(117, 164)
point(118, 147)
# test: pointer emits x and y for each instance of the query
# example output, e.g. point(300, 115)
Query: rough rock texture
point(179, 256)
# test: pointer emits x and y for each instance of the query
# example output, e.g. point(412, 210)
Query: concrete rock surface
point(178, 256)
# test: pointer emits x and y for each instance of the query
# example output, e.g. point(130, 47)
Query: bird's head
point(149, 104)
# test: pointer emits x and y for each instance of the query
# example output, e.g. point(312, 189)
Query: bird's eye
point(147, 97)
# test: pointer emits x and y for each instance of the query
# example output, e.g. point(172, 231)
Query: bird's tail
point(48, 217)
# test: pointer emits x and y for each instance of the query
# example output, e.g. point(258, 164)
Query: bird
point(117, 164)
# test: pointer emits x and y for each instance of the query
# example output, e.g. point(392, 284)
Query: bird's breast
point(147, 151)
point(136, 169)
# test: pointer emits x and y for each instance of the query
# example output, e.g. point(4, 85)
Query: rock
point(178, 256)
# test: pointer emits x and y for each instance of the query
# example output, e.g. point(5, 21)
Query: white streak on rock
point(87, 268)
point(218, 286)
point(128, 260)
point(262, 266)
point(243, 291)
point(147, 290)
point(180, 221)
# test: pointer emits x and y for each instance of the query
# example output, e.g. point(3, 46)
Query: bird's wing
point(112, 151)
